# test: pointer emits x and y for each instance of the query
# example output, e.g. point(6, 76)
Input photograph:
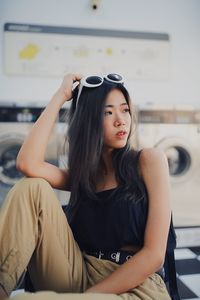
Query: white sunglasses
point(96, 80)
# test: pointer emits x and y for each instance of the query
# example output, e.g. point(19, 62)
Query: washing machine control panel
point(20, 114)
point(169, 117)
point(26, 114)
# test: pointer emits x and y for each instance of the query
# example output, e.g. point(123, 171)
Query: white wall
point(179, 18)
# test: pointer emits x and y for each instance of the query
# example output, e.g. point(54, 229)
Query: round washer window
point(9, 149)
point(179, 160)
point(8, 162)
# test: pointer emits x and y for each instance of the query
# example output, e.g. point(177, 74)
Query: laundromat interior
point(155, 45)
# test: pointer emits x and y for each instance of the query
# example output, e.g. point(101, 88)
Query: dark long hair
point(85, 137)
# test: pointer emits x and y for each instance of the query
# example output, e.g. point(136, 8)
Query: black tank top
point(113, 221)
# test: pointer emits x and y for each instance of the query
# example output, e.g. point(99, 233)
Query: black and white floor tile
point(188, 273)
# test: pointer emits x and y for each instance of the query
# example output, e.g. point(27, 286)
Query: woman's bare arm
point(150, 258)
point(31, 157)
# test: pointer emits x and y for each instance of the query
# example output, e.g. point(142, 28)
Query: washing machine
point(176, 130)
point(15, 123)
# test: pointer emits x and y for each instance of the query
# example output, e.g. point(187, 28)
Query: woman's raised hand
point(66, 87)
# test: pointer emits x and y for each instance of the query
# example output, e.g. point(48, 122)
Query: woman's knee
point(32, 195)
point(30, 183)
point(29, 188)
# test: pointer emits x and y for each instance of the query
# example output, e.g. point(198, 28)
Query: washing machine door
point(9, 148)
point(181, 158)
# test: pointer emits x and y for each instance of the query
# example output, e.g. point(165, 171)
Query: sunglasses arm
point(79, 92)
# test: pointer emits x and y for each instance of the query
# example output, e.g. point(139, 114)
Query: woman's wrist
point(61, 97)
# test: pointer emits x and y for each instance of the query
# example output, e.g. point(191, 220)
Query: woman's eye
point(108, 113)
point(127, 110)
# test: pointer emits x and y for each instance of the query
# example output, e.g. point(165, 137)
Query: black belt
point(119, 257)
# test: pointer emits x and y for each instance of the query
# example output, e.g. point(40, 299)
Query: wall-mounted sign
point(37, 50)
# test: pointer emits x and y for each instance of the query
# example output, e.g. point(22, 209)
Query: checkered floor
point(188, 271)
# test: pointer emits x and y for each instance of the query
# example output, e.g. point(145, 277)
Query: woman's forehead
point(115, 97)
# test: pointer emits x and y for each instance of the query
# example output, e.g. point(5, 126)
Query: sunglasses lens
point(115, 77)
point(94, 80)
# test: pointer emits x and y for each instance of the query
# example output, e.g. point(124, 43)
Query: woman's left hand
point(65, 90)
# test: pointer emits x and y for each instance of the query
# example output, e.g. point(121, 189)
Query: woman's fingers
point(77, 77)
point(67, 84)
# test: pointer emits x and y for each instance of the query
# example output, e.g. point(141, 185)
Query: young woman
point(110, 242)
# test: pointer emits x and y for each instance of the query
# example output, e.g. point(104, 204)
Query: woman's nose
point(119, 122)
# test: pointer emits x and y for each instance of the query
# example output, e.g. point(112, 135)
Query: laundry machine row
point(15, 124)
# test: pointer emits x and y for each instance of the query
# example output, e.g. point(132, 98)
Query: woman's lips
point(121, 134)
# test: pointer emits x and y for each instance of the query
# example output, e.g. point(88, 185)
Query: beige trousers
point(34, 232)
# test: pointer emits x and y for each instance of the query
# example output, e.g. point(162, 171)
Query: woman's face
point(117, 121)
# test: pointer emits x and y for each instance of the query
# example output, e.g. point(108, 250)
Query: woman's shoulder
point(147, 154)
point(152, 158)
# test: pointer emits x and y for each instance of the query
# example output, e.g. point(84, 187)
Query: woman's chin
point(119, 145)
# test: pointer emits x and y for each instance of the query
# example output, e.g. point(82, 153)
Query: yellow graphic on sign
point(109, 51)
point(29, 52)
point(81, 51)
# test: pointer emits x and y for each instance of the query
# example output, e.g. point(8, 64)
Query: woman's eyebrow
point(111, 105)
